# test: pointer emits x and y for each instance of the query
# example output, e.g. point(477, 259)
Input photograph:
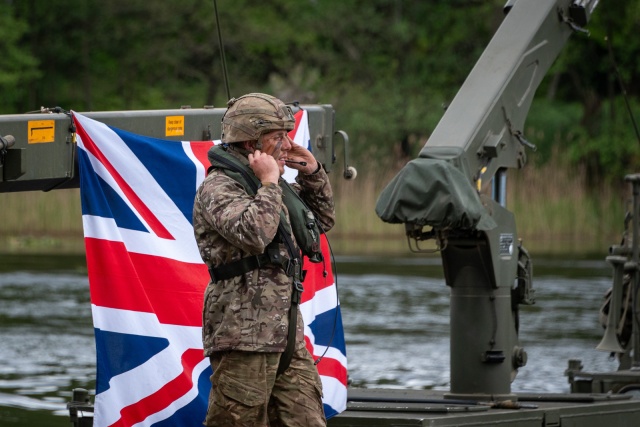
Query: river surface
point(395, 314)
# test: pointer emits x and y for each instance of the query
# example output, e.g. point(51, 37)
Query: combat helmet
point(251, 115)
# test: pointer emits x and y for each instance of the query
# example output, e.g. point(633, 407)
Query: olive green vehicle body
point(43, 155)
point(454, 192)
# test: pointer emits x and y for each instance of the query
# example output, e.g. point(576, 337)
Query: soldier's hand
point(264, 166)
point(298, 153)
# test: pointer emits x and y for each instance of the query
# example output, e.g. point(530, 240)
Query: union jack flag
point(147, 280)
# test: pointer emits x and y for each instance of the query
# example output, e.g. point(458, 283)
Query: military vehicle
point(454, 193)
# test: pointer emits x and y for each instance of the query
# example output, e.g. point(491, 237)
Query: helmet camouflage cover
point(253, 114)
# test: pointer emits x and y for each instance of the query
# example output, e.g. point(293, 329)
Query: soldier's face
point(277, 143)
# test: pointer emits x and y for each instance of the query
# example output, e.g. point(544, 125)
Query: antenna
point(224, 62)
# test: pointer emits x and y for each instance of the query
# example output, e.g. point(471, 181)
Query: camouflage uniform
point(248, 392)
point(248, 313)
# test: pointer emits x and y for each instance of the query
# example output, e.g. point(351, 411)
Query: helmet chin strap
point(259, 143)
point(240, 149)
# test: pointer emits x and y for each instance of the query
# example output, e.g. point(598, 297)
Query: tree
point(18, 67)
point(387, 66)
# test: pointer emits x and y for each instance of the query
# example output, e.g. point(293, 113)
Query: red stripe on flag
point(200, 150)
point(315, 280)
point(298, 117)
point(171, 289)
point(329, 367)
point(153, 222)
point(162, 398)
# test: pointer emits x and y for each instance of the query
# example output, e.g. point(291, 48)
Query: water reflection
point(47, 345)
point(395, 313)
point(397, 328)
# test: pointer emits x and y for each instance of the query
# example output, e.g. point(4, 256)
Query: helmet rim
point(251, 115)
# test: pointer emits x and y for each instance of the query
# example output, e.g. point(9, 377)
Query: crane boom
point(479, 137)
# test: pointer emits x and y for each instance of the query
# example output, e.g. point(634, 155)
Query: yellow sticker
point(175, 126)
point(40, 131)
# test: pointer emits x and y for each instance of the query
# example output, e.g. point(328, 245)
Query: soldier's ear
point(248, 145)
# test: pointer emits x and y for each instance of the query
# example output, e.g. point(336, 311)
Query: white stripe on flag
point(178, 403)
point(156, 372)
point(141, 242)
point(335, 393)
point(323, 300)
point(200, 170)
point(144, 185)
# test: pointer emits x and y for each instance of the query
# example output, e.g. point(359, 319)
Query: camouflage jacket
point(249, 312)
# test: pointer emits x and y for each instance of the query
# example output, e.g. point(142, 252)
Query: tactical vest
point(303, 222)
point(304, 227)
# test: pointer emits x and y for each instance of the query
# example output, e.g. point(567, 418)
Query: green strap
point(287, 355)
point(271, 256)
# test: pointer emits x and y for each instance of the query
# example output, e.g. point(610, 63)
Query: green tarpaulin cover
point(433, 192)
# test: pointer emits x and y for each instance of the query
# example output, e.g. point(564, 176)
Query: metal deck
point(388, 407)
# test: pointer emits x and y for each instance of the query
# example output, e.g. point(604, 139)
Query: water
point(46, 339)
point(397, 328)
point(395, 313)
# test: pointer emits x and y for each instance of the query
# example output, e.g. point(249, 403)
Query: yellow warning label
point(40, 131)
point(175, 126)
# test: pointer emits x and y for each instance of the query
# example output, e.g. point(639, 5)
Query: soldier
point(252, 229)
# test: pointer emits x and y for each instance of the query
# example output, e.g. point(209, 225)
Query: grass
point(555, 214)
point(555, 211)
point(36, 221)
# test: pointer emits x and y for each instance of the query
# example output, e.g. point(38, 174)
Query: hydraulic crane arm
point(480, 136)
point(482, 130)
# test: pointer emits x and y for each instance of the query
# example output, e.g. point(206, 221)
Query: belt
point(250, 263)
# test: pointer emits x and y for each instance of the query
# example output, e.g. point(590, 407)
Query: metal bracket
point(349, 171)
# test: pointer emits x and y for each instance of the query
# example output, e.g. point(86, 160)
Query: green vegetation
point(387, 66)
point(555, 214)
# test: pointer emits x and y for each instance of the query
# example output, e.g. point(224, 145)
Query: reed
point(555, 213)
point(358, 229)
point(39, 221)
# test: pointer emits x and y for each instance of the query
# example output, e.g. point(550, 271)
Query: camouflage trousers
point(246, 392)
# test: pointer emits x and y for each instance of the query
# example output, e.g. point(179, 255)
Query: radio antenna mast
point(224, 62)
